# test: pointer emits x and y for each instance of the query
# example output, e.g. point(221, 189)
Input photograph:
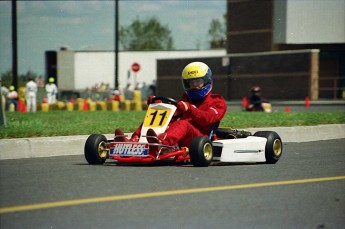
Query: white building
point(78, 70)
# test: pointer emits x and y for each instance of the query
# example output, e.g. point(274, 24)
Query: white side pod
point(250, 149)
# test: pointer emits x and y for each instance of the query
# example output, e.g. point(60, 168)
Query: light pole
point(116, 44)
point(14, 45)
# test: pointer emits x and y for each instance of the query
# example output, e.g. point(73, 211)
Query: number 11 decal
point(156, 118)
point(154, 115)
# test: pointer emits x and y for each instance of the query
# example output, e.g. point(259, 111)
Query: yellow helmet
point(197, 71)
point(51, 80)
point(11, 88)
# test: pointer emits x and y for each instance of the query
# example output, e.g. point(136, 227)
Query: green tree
point(217, 32)
point(146, 35)
point(6, 78)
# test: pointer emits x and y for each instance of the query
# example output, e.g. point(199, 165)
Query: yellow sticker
point(156, 117)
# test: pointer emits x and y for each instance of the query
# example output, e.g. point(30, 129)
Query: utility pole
point(116, 44)
point(14, 45)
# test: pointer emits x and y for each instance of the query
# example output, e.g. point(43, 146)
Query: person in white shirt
point(52, 91)
point(31, 94)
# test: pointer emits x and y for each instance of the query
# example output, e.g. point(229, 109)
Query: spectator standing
point(31, 95)
point(114, 96)
point(52, 91)
point(12, 98)
point(128, 92)
point(152, 89)
point(117, 95)
point(4, 92)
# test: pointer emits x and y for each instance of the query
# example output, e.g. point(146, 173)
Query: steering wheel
point(169, 101)
point(165, 100)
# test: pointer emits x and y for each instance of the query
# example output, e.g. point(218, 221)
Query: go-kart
point(222, 144)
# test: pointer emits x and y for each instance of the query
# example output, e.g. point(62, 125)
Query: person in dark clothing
point(256, 102)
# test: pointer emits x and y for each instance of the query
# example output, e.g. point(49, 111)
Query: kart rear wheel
point(274, 146)
point(201, 152)
point(95, 150)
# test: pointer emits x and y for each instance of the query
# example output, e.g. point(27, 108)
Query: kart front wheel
point(201, 152)
point(274, 146)
point(95, 150)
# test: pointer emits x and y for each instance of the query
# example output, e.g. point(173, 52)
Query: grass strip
point(63, 123)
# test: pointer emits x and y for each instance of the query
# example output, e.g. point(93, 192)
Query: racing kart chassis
point(222, 145)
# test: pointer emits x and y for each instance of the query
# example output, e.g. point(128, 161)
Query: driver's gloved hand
point(182, 106)
point(149, 99)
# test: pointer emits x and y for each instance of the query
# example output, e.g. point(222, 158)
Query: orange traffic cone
point(20, 105)
point(85, 107)
point(307, 102)
point(244, 102)
point(287, 109)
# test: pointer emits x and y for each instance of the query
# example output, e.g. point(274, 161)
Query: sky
point(89, 25)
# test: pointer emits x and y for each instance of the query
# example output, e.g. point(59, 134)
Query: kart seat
point(213, 129)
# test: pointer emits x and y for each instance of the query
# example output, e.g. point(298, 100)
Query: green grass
point(63, 123)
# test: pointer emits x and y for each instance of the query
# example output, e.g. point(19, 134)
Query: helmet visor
point(195, 83)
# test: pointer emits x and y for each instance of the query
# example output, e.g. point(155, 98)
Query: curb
point(74, 145)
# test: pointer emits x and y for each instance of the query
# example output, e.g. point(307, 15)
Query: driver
point(198, 109)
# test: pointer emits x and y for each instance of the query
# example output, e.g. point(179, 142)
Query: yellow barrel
point(101, 105)
point(127, 105)
point(92, 106)
point(138, 106)
point(69, 106)
point(60, 105)
point(11, 108)
point(136, 95)
point(80, 105)
point(78, 100)
point(114, 105)
point(45, 107)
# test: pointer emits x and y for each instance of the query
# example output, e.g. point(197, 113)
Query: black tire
point(201, 151)
point(95, 150)
point(274, 146)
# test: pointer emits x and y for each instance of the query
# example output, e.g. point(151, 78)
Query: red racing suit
point(196, 121)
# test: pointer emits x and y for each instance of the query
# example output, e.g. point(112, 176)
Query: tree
point(6, 78)
point(146, 35)
point(217, 32)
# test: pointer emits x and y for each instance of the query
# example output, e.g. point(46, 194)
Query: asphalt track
point(46, 183)
point(305, 189)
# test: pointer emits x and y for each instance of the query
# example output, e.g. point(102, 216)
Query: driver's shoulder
point(216, 97)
